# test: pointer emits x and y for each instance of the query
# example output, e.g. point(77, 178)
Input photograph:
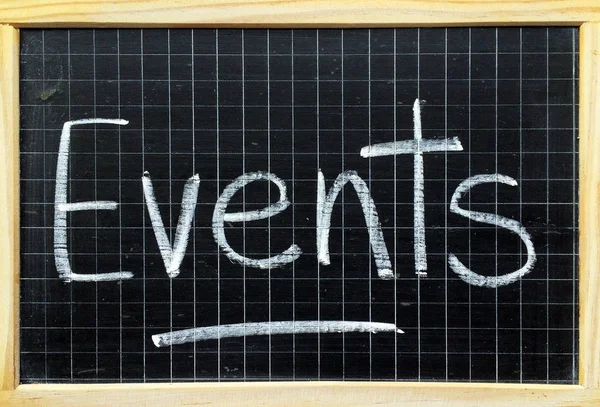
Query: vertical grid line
point(547, 207)
point(318, 166)
point(269, 187)
point(170, 194)
point(343, 203)
point(96, 231)
point(293, 206)
point(395, 96)
point(142, 125)
point(218, 191)
point(446, 199)
point(120, 207)
point(244, 189)
point(496, 197)
point(469, 221)
point(521, 198)
point(418, 274)
point(46, 199)
point(95, 198)
point(575, 148)
point(193, 96)
point(370, 212)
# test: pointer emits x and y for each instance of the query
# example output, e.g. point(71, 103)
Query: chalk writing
point(417, 147)
point(491, 219)
point(219, 217)
point(269, 328)
point(173, 254)
point(61, 208)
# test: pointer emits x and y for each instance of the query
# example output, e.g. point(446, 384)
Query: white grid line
point(370, 214)
point(574, 219)
point(96, 213)
point(193, 96)
point(171, 195)
point(142, 198)
point(496, 202)
point(343, 199)
point(419, 337)
point(218, 168)
point(318, 166)
point(269, 189)
point(520, 200)
point(244, 190)
point(120, 211)
point(469, 206)
point(293, 120)
point(445, 200)
point(547, 206)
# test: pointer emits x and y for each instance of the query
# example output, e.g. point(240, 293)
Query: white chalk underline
point(269, 328)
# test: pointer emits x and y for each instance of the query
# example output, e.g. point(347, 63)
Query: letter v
point(172, 256)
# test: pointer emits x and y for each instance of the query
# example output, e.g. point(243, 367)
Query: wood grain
point(302, 394)
point(9, 207)
point(303, 13)
point(299, 13)
point(589, 195)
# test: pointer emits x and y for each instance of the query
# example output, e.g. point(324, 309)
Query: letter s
point(459, 268)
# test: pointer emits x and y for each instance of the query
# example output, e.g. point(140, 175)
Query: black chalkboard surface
point(218, 205)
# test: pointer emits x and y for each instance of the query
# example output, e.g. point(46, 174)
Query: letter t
point(416, 147)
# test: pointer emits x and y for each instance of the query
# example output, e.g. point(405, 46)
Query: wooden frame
point(15, 14)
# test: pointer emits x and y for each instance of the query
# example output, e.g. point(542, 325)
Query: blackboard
point(493, 112)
